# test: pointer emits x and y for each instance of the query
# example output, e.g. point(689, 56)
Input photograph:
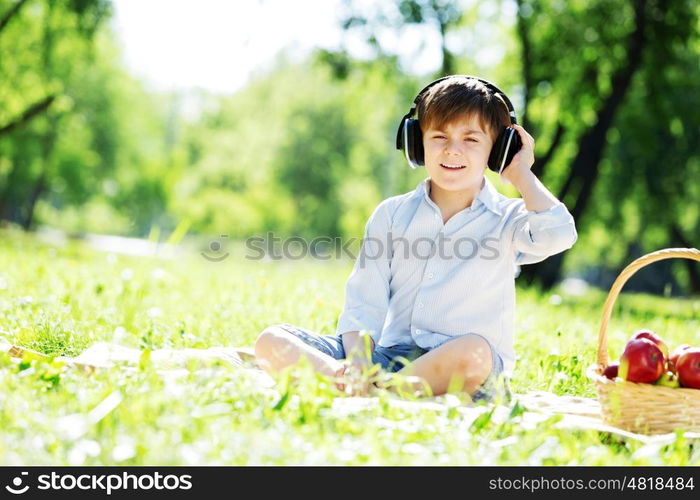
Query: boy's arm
point(536, 196)
point(358, 344)
point(367, 288)
point(547, 227)
point(366, 301)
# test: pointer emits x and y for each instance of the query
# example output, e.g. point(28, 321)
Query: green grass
point(59, 300)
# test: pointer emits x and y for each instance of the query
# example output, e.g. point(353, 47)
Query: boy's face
point(462, 144)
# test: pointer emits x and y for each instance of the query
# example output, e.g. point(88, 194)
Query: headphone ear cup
point(507, 144)
point(414, 143)
point(497, 150)
point(418, 151)
point(399, 136)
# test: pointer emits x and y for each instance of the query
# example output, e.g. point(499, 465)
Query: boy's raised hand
point(519, 168)
point(536, 196)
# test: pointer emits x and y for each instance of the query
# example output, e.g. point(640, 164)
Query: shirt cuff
point(553, 217)
point(542, 234)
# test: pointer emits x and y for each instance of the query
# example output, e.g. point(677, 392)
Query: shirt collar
point(488, 196)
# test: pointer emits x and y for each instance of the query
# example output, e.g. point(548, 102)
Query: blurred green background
point(610, 89)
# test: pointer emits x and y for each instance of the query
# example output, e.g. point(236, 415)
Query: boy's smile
point(456, 156)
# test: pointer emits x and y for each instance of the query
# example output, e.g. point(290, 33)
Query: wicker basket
point(643, 408)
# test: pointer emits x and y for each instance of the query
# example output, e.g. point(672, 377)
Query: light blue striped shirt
point(417, 280)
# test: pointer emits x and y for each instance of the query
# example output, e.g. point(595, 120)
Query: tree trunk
point(540, 163)
point(7, 206)
point(48, 139)
point(526, 56)
point(38, 189)
point(585, 166)
point(41, 184)
point(526, 64)
point(679, 239)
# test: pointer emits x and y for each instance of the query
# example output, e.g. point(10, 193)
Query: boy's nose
point(453, 148)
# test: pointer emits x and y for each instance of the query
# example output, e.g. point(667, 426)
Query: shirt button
point(430, 275)
point(420, 305)
point(418, 331)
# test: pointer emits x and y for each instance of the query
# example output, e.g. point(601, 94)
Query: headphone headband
point(494, 89)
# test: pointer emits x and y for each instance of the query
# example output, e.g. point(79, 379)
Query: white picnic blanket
point(575, 412)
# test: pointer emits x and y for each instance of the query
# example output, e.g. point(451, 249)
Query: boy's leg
point(276, 348)
point(465, 360)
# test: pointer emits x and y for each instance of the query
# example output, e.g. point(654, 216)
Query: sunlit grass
point(60, 300)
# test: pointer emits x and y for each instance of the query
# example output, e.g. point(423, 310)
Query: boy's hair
point(460, 97)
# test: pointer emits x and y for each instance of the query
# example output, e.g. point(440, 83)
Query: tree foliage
point(607, 88)
point(69, 136)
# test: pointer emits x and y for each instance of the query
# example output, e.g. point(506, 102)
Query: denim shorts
point(394, 358)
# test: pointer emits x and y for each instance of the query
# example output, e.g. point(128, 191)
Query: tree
point(35, 78)
point(653, 28)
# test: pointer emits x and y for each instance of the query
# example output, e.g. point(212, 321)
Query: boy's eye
point(470, 139)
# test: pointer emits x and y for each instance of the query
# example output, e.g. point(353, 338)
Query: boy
point(432, 294)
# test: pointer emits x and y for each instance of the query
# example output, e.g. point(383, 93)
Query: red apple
point(673, 358)
point(688, 368)
point(649, 335)
point(611, 371)
point(642, 361)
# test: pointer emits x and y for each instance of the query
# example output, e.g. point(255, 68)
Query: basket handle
point(636, 265)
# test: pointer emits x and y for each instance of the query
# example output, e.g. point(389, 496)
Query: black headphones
point(409, 137)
